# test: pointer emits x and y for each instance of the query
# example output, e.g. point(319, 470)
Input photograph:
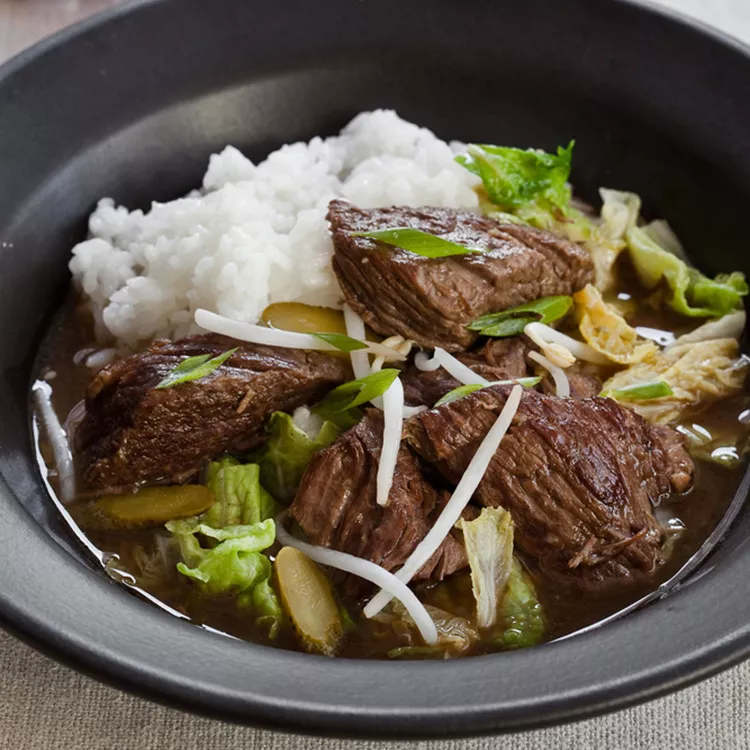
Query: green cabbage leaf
point(505, 596)
point(222, 549)
point(520, 622)
point(489, 547)
point(697, 371)
point(514, 177)
point(456, 635)
point(240, 498)
point(690, 292)
point(287, 452)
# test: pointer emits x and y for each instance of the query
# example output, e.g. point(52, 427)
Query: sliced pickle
point(307, 597)
point(151, 506)
point(294, 316)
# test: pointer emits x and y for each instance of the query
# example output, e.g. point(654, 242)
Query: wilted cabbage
point(489, 547)
point(690, 292)
point(620, 211)
point(729, 326)
point(605, 243)
point(698, 372)
point(455, 634)
point(663, 235)
point(222, 549)
point(505, 595)
point(291, 445)
point(658, 256)
point(521, 622)
point(235, 564)
point(240, 498)
point(604, 329)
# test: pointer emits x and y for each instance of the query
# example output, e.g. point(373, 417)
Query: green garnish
point(512, 321)
point(355, 393)
point(640, 391)
point(466, 390)
point(514, 177)
point(418, 242)
point(341, 341)
point(195, 368)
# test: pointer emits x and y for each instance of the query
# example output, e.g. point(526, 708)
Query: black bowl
point(131, 104)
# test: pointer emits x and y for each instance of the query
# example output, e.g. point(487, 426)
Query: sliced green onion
point(466, 390)
point(341, 341)
point(640, 391)
point(504, 328)
point(355, 393)
point(194, 368)
point(418, 242)
point(512, 321)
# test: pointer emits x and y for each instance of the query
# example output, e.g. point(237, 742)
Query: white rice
point(255, 234)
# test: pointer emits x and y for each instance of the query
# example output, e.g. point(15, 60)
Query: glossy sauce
point(145, 560)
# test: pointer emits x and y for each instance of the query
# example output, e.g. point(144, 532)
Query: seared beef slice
point(336, 507)
point(578, 476)
point(498, 359)
point(132, 432)
point(431, 300)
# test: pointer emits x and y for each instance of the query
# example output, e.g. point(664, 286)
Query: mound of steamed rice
point(255, 234)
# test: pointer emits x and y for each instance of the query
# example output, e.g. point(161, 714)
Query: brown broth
point(143, 560)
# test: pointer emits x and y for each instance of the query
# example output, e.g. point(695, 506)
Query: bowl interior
point(132, 106)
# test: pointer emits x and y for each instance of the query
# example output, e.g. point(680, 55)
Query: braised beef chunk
point(583, 384)
point(431, 300)
point(498, 359)
point(681, 468)
point(132, 432)
point(336, 507)
point(578, 476)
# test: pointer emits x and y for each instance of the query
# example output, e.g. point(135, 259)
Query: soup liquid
point(145, 560)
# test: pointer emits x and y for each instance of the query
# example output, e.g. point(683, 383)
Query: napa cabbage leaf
point(606, 331)
point(514, 177)
point(240, 497)
point(697, 372)
point(690, 292)
point(287, 452)
point(489, 547)
point(456, 635)
point(521, 622)
point(222, 549)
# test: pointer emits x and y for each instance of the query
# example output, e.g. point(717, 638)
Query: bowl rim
point(175, 663)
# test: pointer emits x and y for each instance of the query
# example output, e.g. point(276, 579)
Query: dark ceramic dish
point(132, 103)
